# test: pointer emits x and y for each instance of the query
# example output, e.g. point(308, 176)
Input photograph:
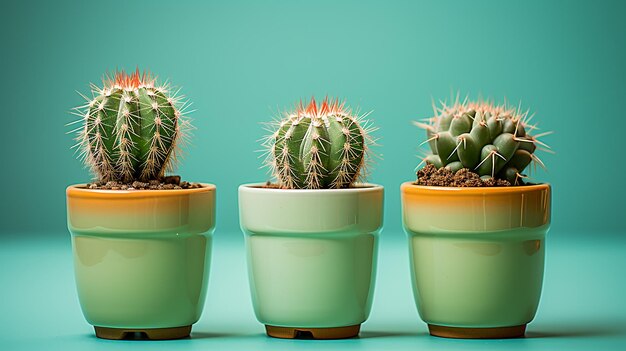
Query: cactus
point(130, 128)
point(319, 146)
point(490, 140)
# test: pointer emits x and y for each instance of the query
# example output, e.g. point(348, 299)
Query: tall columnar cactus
point(319, 146)
point(131, 128)
point(488, 139)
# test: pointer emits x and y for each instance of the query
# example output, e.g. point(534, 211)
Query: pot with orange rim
point(477, 256)
point(141, 258)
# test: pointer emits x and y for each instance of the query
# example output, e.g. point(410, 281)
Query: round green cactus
point(131, 128)
point(488, 139)
point(318, 147)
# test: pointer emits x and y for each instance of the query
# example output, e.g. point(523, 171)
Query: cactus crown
point(319, 146)
point(491, 140)
point(131, 128)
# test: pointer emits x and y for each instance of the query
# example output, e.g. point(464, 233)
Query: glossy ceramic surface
point(311, 254)
point(141, 258)
point(477, 254)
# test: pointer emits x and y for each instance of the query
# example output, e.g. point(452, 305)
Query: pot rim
point(410, 187)
point(80, 190)
point(361, 187)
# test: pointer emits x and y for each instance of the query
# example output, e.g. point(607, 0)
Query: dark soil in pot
point(165, 183)
point(431, 176)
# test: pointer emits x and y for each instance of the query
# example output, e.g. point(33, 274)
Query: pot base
point(146, 334)
point(477, 333)
point(313, 333)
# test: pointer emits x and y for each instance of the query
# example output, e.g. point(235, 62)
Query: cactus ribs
point(494, 141)
point(131, 128)
point(319, 146)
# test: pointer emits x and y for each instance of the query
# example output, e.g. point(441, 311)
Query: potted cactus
point(476, 228)
point(141, 240)
point(311, 236)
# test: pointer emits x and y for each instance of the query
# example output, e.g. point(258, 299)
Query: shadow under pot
point(477, 257)
point(311, 257)
point(141, 258)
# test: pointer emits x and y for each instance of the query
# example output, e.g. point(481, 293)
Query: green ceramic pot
point(311, 257)
point(477, 257)
point(141, 258)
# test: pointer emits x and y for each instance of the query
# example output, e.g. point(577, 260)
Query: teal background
point(242, 61)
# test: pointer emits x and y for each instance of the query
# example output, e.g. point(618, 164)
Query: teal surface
point(582, 306)
point(242, 61)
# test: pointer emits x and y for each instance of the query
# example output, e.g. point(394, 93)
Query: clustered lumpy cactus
point(131, 128)
point(319, 146)
point(488, 139)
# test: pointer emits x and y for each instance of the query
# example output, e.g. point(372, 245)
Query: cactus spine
point(131, 128)
point(319, 146)
point(488, 139)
